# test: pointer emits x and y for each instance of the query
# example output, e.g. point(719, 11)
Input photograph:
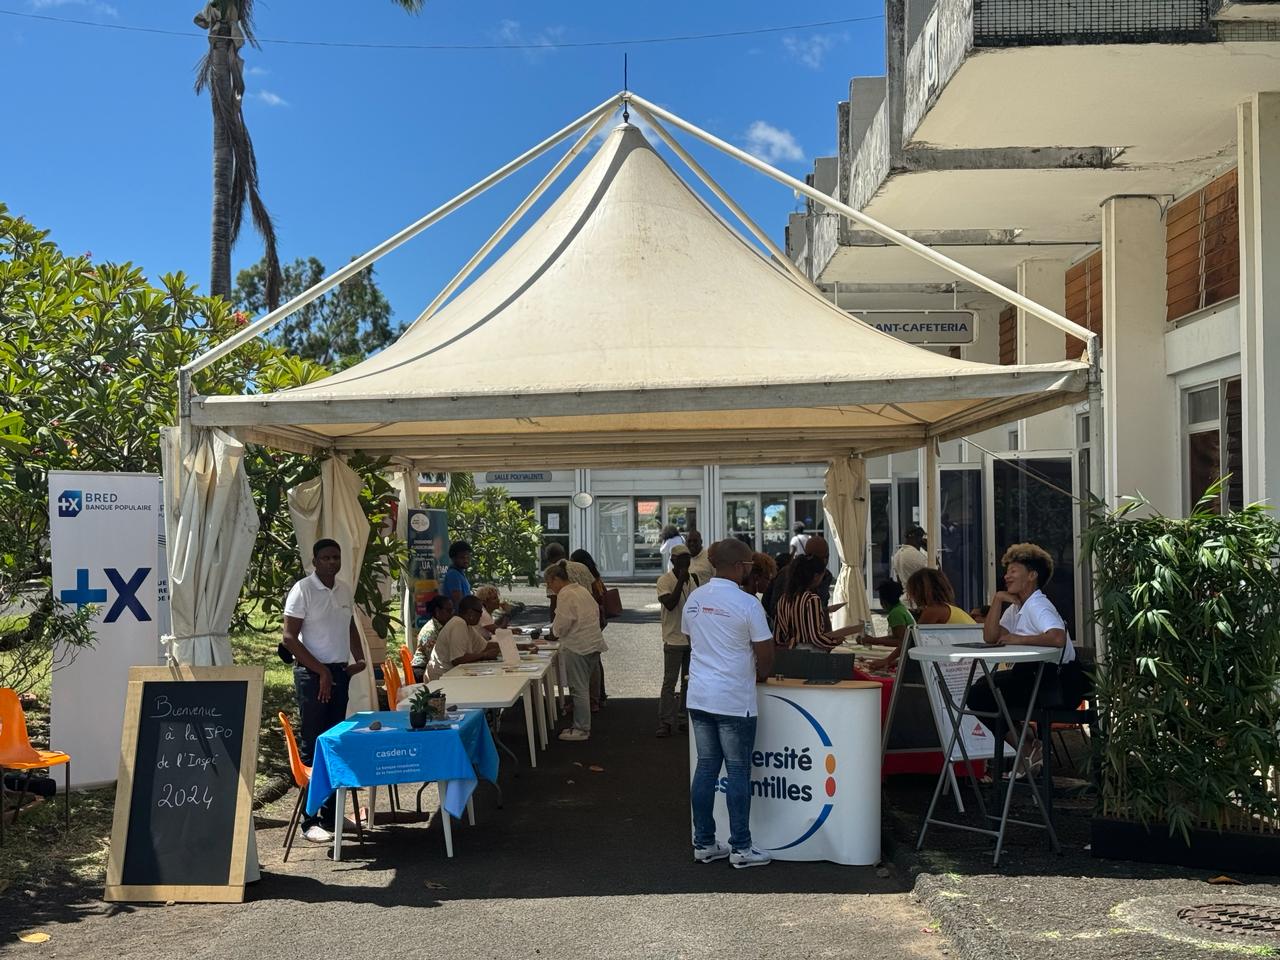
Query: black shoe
point(662, 731)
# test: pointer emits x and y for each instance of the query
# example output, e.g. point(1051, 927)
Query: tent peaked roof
point(631, 325)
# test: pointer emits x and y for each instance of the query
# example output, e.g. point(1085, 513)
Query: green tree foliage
point(89, 355)
point(1189, 696)
point(341, 328)
point(504, 536)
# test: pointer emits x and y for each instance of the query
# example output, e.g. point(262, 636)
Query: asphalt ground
point(577, 863)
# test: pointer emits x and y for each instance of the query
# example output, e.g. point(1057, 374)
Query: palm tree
point(235, 168)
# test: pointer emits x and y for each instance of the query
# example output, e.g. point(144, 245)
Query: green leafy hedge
point(1189, 697)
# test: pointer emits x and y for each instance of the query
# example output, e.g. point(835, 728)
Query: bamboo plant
point(1189, 696)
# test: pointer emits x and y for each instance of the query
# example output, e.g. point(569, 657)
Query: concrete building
point(1117, 161)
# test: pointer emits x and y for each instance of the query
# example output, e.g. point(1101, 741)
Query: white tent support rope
point(781, 258)
point(875, 226)
point(261, 326)
point(552, 175)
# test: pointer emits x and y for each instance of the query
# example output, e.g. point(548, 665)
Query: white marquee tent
point(630, 325)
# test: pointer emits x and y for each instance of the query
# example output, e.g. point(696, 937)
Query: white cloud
point(269, 98)
point(812, 50)
point(536, 45)
point(257, 71)
point(771, 144)
point(93, 6)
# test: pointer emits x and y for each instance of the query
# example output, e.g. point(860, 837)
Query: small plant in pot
point(420, 708)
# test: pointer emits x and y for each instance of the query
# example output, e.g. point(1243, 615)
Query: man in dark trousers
point(320, 630)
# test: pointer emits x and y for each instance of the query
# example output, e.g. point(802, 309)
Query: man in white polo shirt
point(731, 648)
point(320, 632)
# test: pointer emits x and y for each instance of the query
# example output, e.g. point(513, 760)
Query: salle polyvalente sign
point(815, 783)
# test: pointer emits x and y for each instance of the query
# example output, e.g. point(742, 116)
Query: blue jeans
point(727, 741)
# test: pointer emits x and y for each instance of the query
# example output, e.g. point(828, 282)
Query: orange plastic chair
point(302, 780)
point(406, 661)
point(16, 753)
point(391, 680)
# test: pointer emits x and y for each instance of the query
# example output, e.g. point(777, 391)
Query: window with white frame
point(1212, 444)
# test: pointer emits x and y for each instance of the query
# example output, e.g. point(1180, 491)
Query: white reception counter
point(815, 776)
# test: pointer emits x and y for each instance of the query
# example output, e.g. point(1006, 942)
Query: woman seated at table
point(439, 612)
point(491, 617)
point(1031, 620)
point(932, 595)
point(459, 641)
point(800, 619)
point(900, 621)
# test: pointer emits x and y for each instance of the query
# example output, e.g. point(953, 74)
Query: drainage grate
point(1247, 919)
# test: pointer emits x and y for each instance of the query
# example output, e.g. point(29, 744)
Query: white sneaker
point(717, 851)
point(317, 834)
point(749, 858)
point(573, 733)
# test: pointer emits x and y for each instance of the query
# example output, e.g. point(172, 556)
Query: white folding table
point(493, 692)
point(986, 657)
point(534, 668)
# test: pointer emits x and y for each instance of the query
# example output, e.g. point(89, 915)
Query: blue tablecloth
point(351, 755)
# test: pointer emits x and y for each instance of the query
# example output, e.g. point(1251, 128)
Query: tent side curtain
point(212, 525)
point(845, 504)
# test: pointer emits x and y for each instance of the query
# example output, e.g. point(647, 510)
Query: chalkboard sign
point(184, 797)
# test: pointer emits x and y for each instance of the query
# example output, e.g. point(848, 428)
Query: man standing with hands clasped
point(732, 648)
point(320, 631)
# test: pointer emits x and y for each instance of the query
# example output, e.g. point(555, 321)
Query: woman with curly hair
point(1021, 615)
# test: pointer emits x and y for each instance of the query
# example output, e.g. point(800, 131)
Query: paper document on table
point(979, 742)
point(507, 644)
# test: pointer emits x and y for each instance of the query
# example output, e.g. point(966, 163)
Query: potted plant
point(419, 708)
point(1188, 693)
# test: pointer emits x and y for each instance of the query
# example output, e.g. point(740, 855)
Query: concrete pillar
point(712, 522)
point(1045, 282)
point(895, 64)
point(1259, 178)
point(1140, 404)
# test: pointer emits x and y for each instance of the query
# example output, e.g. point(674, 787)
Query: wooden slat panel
point(1009, 336)
point(1187, 240)
point(1187, 256)
point(1188, 271)
point(1202, 250)
point(1189, 220)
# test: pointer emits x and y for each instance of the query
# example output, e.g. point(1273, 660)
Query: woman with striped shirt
point(800, 619)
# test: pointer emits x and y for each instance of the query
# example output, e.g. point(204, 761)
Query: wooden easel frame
point(233, 890)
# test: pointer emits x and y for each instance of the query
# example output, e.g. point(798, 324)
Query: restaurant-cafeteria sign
point(924, 326)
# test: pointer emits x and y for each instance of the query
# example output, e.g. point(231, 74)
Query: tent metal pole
point(552, 175)
point(261, 326)
point(783, 260)
point(875, 226)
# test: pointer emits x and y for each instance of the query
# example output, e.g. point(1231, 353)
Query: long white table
point(537, 669)
point(495, 692)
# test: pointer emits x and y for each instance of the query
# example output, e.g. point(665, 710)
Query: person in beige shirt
point(577, 627)
point(674, 588)
point(699, 561)
point(458, 641)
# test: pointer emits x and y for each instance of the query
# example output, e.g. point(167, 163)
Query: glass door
point(879, 538)
point(647, 530)
point(963, 534)
point(808, 510)
point(553, 515)
point(775, 523)
point(740, 515)
point(613, 525)
point(682, 514)
point(1031, 499)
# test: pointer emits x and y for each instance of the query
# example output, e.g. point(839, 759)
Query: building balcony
point(1003, 124)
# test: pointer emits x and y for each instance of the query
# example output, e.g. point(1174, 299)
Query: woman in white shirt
point(577, 627)
point(670, 537)
point(1030, 621)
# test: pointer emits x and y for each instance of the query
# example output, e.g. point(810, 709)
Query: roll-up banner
point(105, 533)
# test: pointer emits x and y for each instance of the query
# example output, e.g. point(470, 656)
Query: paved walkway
point(579, 863)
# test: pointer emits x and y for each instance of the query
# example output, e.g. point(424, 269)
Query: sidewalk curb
point(971, 935)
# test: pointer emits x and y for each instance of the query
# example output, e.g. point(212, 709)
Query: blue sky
point(109, 145)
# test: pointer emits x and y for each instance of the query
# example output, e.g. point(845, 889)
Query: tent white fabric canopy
point(631, 325)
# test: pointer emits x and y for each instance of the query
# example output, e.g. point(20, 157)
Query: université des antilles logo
point(802, 761)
